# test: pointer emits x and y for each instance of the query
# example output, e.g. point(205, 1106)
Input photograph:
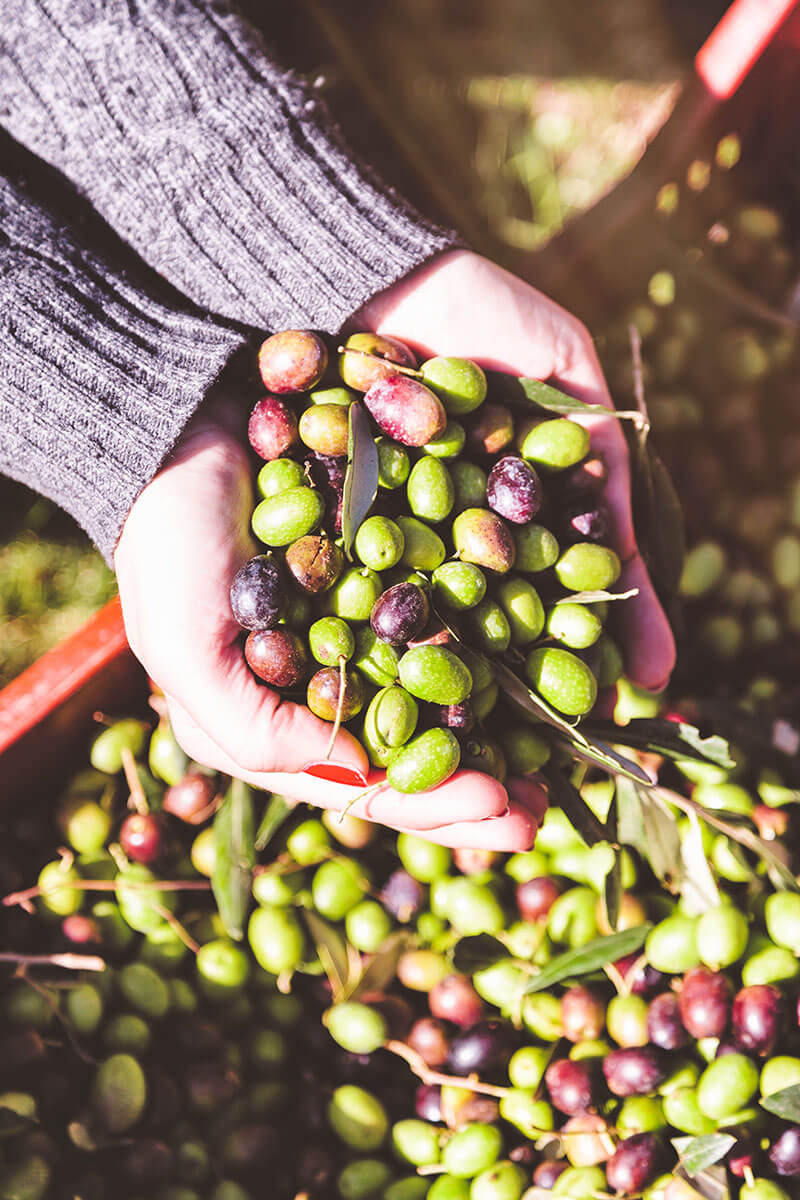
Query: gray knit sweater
point(226, 176)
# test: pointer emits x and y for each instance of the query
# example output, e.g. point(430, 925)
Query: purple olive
point(272, 428)
point(141, 836)
point(514, 490)
point(634, 1163)
point(758, 1018)
point(572, 1085)
point(406, 410)
point(327, 473)
point(258, 595)
point(548, 1172)
point(428, 1103)
point(429, 1038)
point(455, 999)
point(784, 1153)
point(633, 1071)
point(485, 1045)
point(535, 897)
point(402, 895)
point(705, 1002)
point(664, 1026)
point(455, 716)
point(584, 521)
point(277, 656)
point(399, 614)
point(640, 978)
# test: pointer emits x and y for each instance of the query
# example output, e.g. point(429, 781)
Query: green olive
point(574, 625)
point(416, 1142)
point(520, 602)
point(586, 567)
point(106, 752)
point(682, 1110)
point(119, 1093)
point(471, 1150)
point(290, 515)
point(425, 762)
point(490, 626)
point(357, 1028)
point(278, 476)
point(782, 917)
point(447, 444)
point(473, 908)
point(379, 543)
point(553, 444)
point(56, 895)
point(435, 674)
point(727, 1085)
point(780, 1072)
point(721, 936)
point(469, 483)
point(459, 585)
point(537, 548)
point(458, 382)
point(338, 886)
point(276, 939)
point(330, 639)
point(332, 395)
point(390, 721)
point(430, 490)
point(143, 989)
point(353, 595)
point(483, 538)
point(376, 660)
point(393, 464)
point(367, 926)
point(358, 1118)
point(423, 549)
point(562, 679)
point(423, 860)
point(671, 946)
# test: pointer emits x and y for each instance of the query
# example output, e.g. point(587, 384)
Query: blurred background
point(505, 118)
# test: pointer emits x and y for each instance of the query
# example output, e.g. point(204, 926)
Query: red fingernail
point(335, 773)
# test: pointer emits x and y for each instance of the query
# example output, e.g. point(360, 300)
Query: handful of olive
point(483, 530)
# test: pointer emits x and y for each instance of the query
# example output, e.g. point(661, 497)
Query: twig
point(396, 368)
point(638, 376)
point(70, 962)
point(109, 885)
point(174, 923)
point(424, 1072)
point(337, 723)
point(199, 818)
point(137, 797)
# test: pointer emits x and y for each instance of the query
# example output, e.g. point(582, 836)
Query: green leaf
point(785, 1103)
point(612, 891)
point(662, 839)
point(630, 818)
point(235, 857)
point(600, 754)
point(277, 810)
point(555, 401)
point(566, 796)
point(474, 952)
point(698, 1153)
point(699, 891)
point(340, 962)
point(712, 1182)
point(591, 957)
point(597, 597)
point(381, 969)
point(673, 739)
point(361, 478)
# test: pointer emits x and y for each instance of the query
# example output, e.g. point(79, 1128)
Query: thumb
point(254, 726)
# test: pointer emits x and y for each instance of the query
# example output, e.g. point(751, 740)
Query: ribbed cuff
point(222, 170)
point(99, 374)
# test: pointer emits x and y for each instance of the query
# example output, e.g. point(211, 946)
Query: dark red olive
point(402, 895)
point(524, 1154)
point(258, 595)
point(634, 1163)
point(633, 1070)
point(455, 1000)
point(429, 1038)
point(277, 656)
point(583, 1014)
point(704, 1002)
point(327, 473)
point(141, 836)
point(758, 1017)
point(584, 521)
point(428, 1103)
point(535, 897)
point(514, 490)
point(664, 1025)
point(572, 1085)
point(80, 930)
point(639, 976)
point(455, 716)
point(190, 796)
point(485, 1045)
point(548, 1172)
point(589, 475)
point(784, 1153)
point(742, 1156)
point(293, 360)
point(399, 613)
point(272, 428)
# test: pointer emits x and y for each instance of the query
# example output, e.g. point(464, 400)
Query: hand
point(184, 539)
point(464, 305)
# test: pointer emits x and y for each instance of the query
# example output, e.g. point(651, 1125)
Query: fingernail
point(335, 773)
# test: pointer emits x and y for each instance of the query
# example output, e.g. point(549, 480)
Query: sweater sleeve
point(221, 169)
point(98, 372)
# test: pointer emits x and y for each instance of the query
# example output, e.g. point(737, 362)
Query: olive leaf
point(698, 1153)
point(612, 891)
point(277, 810)
point(785, 1103)
point(552, 400)
point(711, 1182)
point(361, 477)
point(597, 597)
point(340, 962)
point(662, 843)
point(672, 739)
point(381, 968)
point(567, 797)
point(477, 951)
point(235, 857)
point(699, 891)
point(591, 957)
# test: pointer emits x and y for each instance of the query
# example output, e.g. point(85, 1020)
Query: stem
point(638, 377)
point(70, 962)
point(137, 797)
point(337, 723)
point(376, 787)
point(59, 1016)
point(424, 1072)
point(396, 368)
point(109, 885)
point(181, 930)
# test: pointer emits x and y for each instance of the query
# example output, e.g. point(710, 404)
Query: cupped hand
point(184, 539)
point(464, 305)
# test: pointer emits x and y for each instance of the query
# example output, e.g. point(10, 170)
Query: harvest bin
point(745, 79)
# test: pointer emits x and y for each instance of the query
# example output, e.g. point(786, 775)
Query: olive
point(782, 918)
point(459, 382)
point(324, 429)
point(634, 1163)
point(513, 490)
point(355, 1027)
point(424, 861)
point(106, 752)
point(143, 989)
point(584, 521)
point(363, 1179)
point(393, 464)
point(482, 753)
point(586, 567)
point(277, 656)
point(290, 515)
point(664, 1026)
point(430, 490)
point(142, 836)
point(222, 969)
point(574, 625)
point(423, 549)
point(85, 823)
point(503, 1181)
point(330, 639)
point(292, 361)
point(338, 886)
point(272, 428)
point(425, 762)
point(726, 1086)
point(784, 1153)
point(491, 431)
point(406, 410)
point(481, 537)
point(415, 1142)
point(525, 751)
point(279, 475)
point(276, 939)
point(471, 1150)
point(354, 594)
point(469, 485)
point(390, 721)
point(705, 1002)
point(562, 679)
point(119, 1093)
point(435, 674)
point(583, 1014)
point(459, 585)
point(315, 562)
point(671, 946)
point(778, 1073)
point(633, 1071)
point(358, 1118)
point(536, 548)
point(379, 543)
point(189, 796)
point(758, 1018)
point(553, 444)
point(490, 626)
point(421, 970)
point(627, 1020)
point(398, 615)
point(376, 660)
point(367, 927)
point(370, 359)
point(523, 608)
point(571, 1085)
point(449, 443)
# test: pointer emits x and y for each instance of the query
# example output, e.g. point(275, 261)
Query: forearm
point(221, 169)
point(100, 374)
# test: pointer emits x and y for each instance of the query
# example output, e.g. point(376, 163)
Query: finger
point(648, 636)
point(531, 793)
point(256, 729)
point(466, 796)
point(513, 832)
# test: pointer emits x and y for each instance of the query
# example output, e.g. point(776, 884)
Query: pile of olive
point(452, 566)
point(720, 390)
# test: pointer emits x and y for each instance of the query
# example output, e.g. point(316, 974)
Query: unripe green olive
point(425, 762)
point(564, 680)
point(430, 490)
point(520, 602)
point(290, 515)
